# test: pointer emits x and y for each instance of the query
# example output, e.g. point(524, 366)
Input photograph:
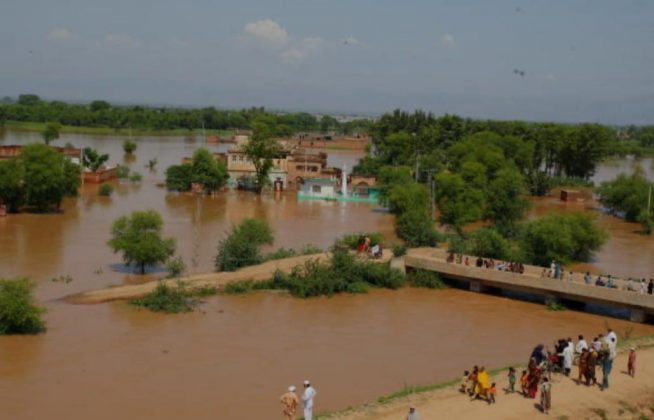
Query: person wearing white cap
point(307, 400)
point(290, 402)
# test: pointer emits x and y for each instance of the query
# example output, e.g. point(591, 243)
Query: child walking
point(631, 365)
point(492, 391)
point(511, 380)
point(545, 396)
point(523, 382)
point(464, 382)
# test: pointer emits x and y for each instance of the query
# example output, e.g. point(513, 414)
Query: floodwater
point(236, 356)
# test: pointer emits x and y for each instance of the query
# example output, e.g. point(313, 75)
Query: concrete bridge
point(482, 279)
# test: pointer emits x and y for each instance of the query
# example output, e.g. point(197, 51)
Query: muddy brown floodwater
point(235, 357)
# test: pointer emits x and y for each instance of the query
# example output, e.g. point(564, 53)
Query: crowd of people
point(536, 380)
point(490, 263)
point(555, 271)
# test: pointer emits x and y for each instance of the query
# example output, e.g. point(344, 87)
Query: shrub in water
point(18, 313)
point(105, 189)
point(175, 267)
point(165, 298)
point(122, 172)
point(135, 177)
point(241, 247)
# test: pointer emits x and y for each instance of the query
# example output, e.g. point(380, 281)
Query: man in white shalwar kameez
point(568, 354)
point(307, 400)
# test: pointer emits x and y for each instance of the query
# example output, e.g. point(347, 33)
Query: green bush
point(280, 254)
point(175, 267)
point(351, 240)
point(135, 177)
point(247, 286)
point(399, 250)
point(18, 313)
point(344, 273)
point(416, 228)
point(105, 189)
point(488, 243)
point(561, 237)
point(241, 246)
point(425, 278)
point(168, 299)
point(129, 146)
point(122, 172)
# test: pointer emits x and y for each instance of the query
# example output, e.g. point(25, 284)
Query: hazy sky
point(583, 60)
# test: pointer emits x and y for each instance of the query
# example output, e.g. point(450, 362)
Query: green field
point(37, 126)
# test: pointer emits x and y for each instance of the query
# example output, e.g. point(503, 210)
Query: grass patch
point(555, 306)
point(425, 278)
point(247, 286)
point(282, 252)
point(18, 312)
point(600, 412)
point(173, 300)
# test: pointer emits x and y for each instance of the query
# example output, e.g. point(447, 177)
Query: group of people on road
point(290, 402)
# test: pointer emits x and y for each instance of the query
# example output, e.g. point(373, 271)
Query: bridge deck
point(434, 259)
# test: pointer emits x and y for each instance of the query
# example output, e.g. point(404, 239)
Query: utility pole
point(649, 200)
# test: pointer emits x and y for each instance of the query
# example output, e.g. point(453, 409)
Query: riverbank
point(626, 398)
point(39, 126)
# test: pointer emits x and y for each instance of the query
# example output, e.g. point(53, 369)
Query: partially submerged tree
point(139, 238)
point(12, 191)
point(92, 160)
point(18, 312)
point(129, 146)
point(50, 132)
point(204, 170)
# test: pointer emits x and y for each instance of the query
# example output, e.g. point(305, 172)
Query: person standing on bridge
point(643, 287)
point(307, 400)
point(650, 286)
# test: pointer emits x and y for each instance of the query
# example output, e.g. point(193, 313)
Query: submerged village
point(326, 210)
point(232, 233)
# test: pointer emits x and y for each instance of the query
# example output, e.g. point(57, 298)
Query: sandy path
point(257, 272)
point(569, 400)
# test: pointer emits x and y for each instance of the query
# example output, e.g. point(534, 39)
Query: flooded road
point(235, 357)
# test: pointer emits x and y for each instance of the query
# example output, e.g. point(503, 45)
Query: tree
point(416, 228)
point(407, 196)
point(584, 148)
point(626, 195)
point(44, 177)
point(92, 160)
point(261, 150)
point(207, 171)
point(71, 178)
point(129, 146)
point(457, 203)
point(98, 105)
point(18, 312)
point(51, 132)
point(179, 177)
point(139, 238)
point(489, 243)
point(242, 245)
point(28, 99)
point(12, 191)
point(561, 237)
point(506, 202)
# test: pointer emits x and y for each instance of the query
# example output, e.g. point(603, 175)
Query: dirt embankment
point(626, 398)
point(256, 272)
